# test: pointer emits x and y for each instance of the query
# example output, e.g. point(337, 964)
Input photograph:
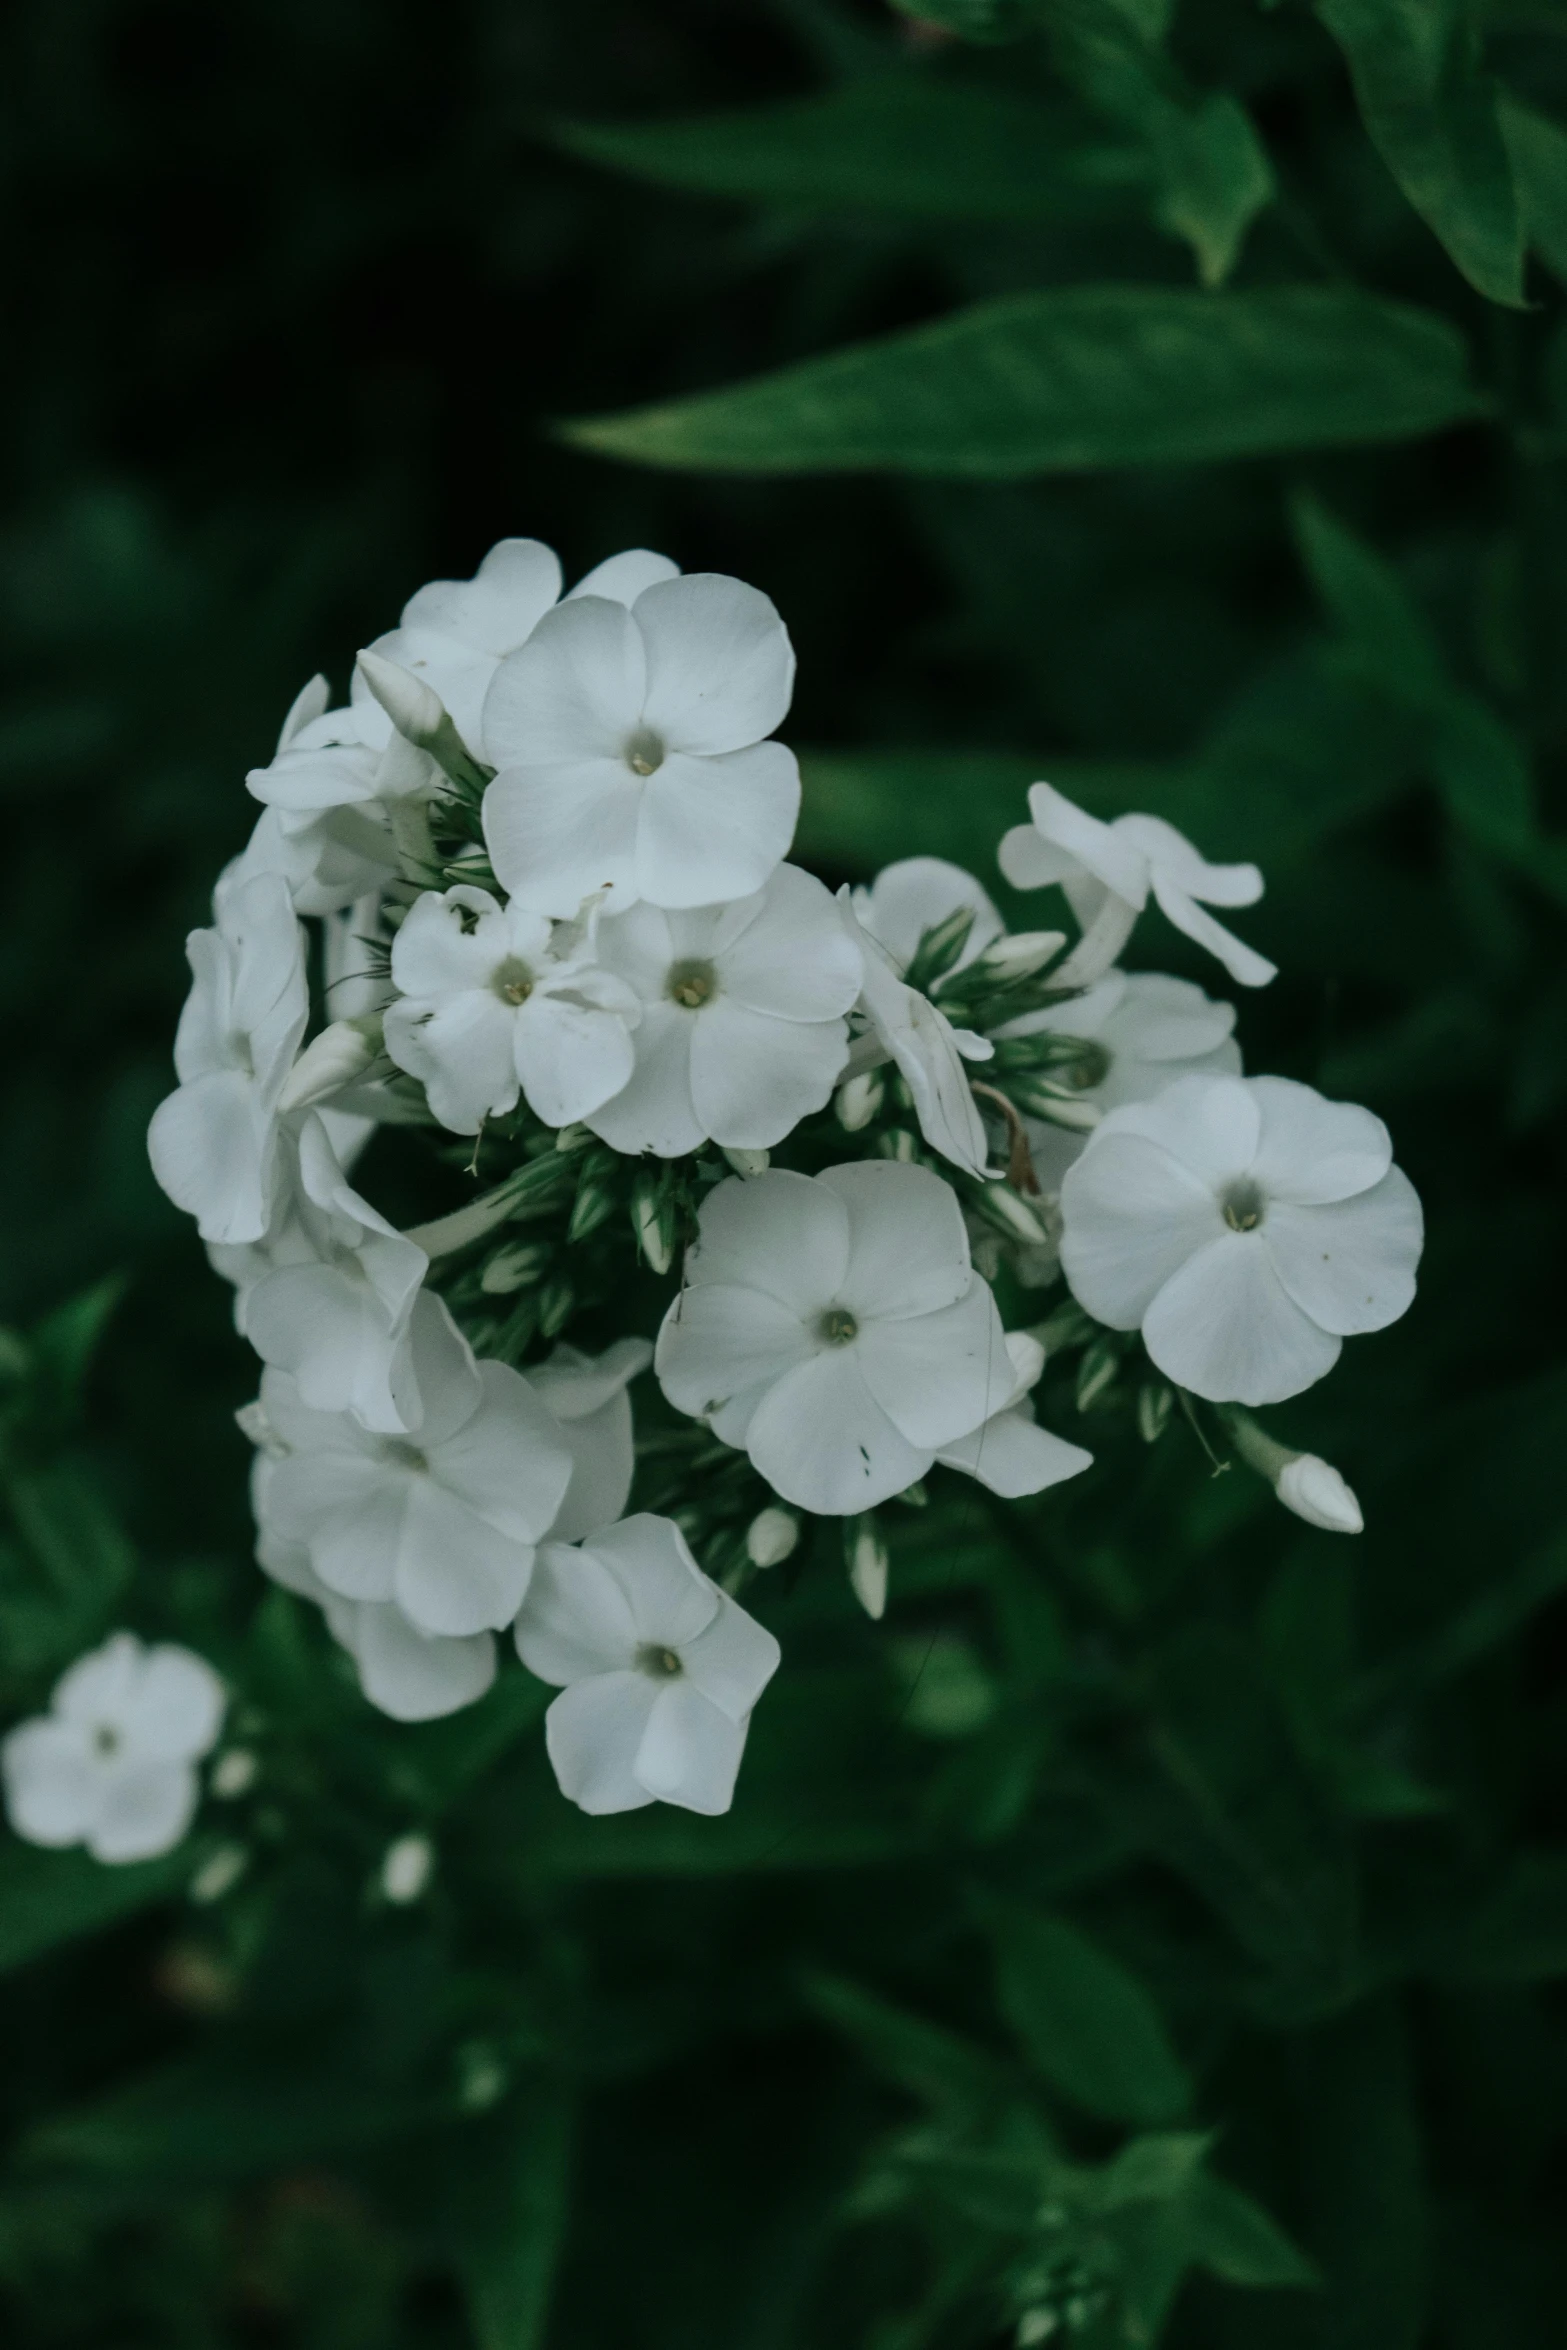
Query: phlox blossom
point(112, 1765)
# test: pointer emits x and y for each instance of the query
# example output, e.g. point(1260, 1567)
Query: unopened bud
point(749, 1163)
point(337, 1058)
point(234, 1773)
point(219, 1874)
point(867, 1563)
point(513, 1268)
point(557, 1300)
point(1014, 1215)
point(1020, 956)
point(1097, 1371)
point(407, 1868)
point(653, 1222)
point(257, 1429)
point(595, 1203)
point(859, 1099)
point(415, 709)
point(1155, 1403)
point(1315, 1491)
point(1059, 1105)
point(771, 1537)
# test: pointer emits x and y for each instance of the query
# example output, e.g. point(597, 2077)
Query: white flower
point(112, 1765)
point(493, 1000)
point(587, 1395)
point(834, 1327)
point(336, 788)
point(443, 1520)
point(913, 896)
point(1008, 1451)
point(213, 1143)
point(1148, 1029)
point(328, 1297)
point(631, 752)
point(1314, 1490)
point(1107, 872)
point(455, 633)
point(658, 1670)
point(1247, 1226)
point(329, 858)
point(906, 1027)
point(742, 1031)
point(411, 1675)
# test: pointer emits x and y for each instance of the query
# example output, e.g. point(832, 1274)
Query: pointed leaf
point(511, 2202)
point(1088, 2024)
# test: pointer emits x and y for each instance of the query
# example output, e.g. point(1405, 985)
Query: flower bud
point(1315, 1491)
point(859, 1099)
point(1013, 1215)
point(1021, 956)
point(653, 1222)
point(415, 709)
point(219, 1874)
point(867, 1563)
point(337, 1058)
point(234, 1773)
point(748, 1163)
point(771, 1537)
point(515, 1267)
point(407, 1868)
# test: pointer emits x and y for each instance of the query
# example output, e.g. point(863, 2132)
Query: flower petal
point(731, 1660)
point(720, 668)
point(1106, 851)
point(500, 606)
point(573, 692)
point(454, 1573)
point(176, 1708)
point(1171, 853)
point(822, 1441)
point(52, 1784)
point(786, 952)
point(1210, 1125)
point(623, 577)
point(1243, 963)
point(576, 1620)
point(449, 941)
point(908, 1249)
point(1350, 1265)
point(753, 1078)
point(1225, 1327)
point(1014, 1456)
point(1312, 1150)
point(508, 1462)
point(412, 1677)
point(145, 1809)
point(592, 1734)
point(910, 897)
point(213, 1150)
point(784, 1234)
point(1131, 1217)
point(571, 1058)
point(690, 1751)
point(558, 833)
point(714, 827)
point(938, 1375)
point(653, 1111)
point(722, 1346)
point(462, 1052)
point(670, 1598)
point(101, 1686)
point(602, 1464)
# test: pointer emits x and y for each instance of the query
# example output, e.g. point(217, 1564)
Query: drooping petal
point(176, 1708)
point(1014, 1456)
point(145, 1808)
point(1243, 963)
point(1171, 853)
point(1311, 1150)
point(52, 1787)
point(780, 1233)
point(786, 952)
point(592, 1734)
point(670, 1598)
point(822, 1441)
point(938, 1375)
point(508, 1463)
point(558, 833)
point(576, 1620)
point(720, 667)
point(753, 1078)
point(715, 827)
point(1225, 1327)
point(1029, 861)
point(1351, 1264)
point(572, 693)
point(453, 1573)
point(731, 1660)
point(571, 1058)
point(1131, 1217)
point(908, 1249)
point(1104, 850)
point(690, 1751)
point(413, 1678)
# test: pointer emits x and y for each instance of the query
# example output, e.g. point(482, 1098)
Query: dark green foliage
point(1155, 1929)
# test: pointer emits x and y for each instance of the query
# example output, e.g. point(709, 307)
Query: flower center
point(512, 981)
point(106, 1740)
point(691, 985)
point(644, 751)
point(1091, 1067)
point(659, 1663)
point(405, 1455)
point(1244, 1206)
point(838, 1326)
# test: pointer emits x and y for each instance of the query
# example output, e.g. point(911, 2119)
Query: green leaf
point(1237, 2239)
point(903, 143)
point(511, 2178)
point(1089, 2025)
point(65, 1342)
point(1432, 115)
point(50, 1899)
point(1079, 377)
point(1357, 2144)
point(928, 2061)
point(1370, 603)
point(70, 1531)
point(1518, 1934)
point(1538, 151)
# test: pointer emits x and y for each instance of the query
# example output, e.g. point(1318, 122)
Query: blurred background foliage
point(1166, 1891)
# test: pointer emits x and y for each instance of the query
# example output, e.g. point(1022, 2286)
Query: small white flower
point(442, 1520)
point(214, 1143)
point(1107, 872)
point(833, 1326)
point(345, 764)
point(587, 1395)
point(742, 1030)
point(913, 896)
point(1246, 1226)
point(631, 752)
point(329, 858)
point(906, 1027)
point(1314, 1490)
point(1008, 1451)
point(658, 1670)
point(495, 1000)
point(1148, 1029)
point(112, 1765)
point(329, 1295)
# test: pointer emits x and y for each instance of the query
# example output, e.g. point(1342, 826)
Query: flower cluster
point(545, 842)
